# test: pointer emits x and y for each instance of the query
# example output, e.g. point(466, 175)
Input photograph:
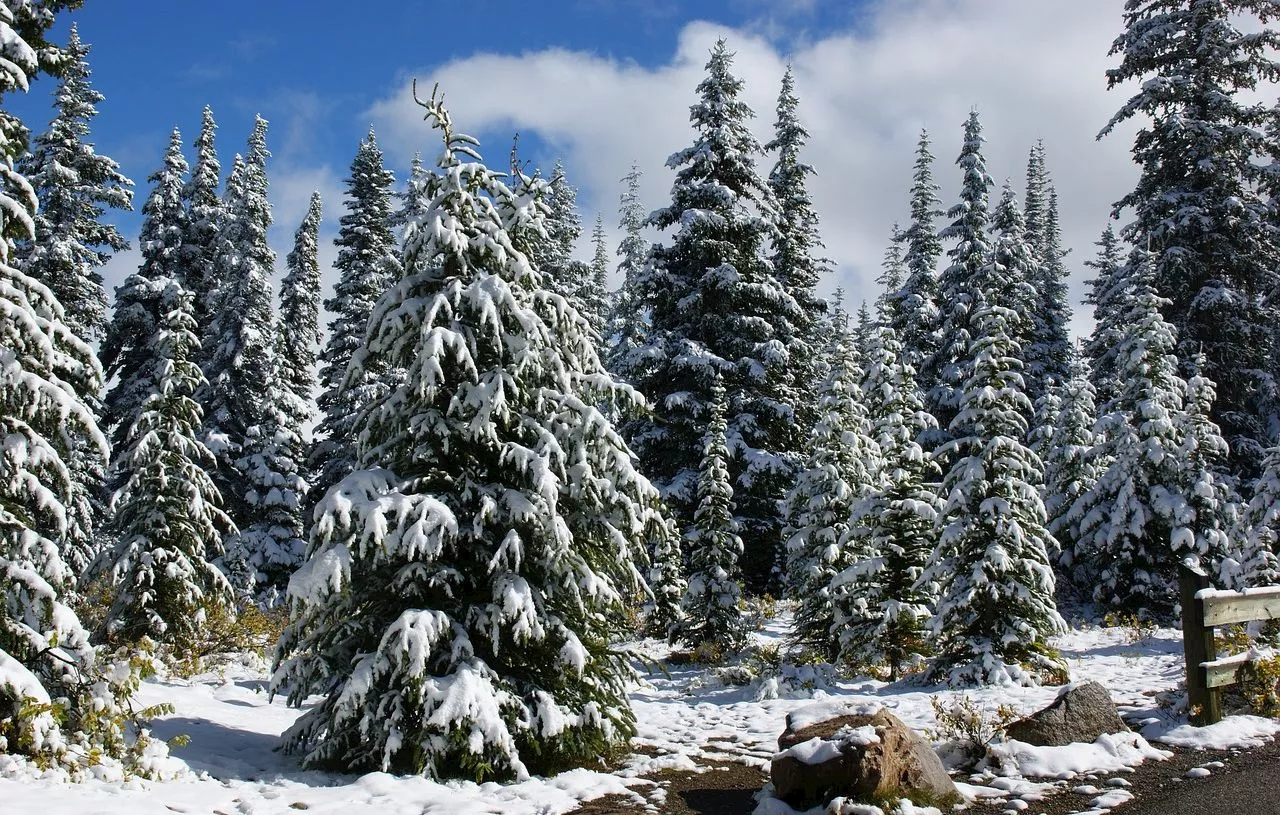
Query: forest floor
point(705, 737)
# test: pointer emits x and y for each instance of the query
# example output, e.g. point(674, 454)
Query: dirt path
point(1246, 779)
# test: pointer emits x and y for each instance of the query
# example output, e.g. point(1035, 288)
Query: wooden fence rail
point(1203, 609)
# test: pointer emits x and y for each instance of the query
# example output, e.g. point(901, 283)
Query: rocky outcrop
point(1081, 713)
point(865, 757)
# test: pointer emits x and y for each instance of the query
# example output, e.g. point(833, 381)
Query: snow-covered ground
point(231, 766)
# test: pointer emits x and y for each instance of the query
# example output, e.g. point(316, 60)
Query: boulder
point(1081, 713)
point(863, 756)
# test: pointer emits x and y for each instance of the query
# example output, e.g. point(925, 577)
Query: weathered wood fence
point(1204, 609)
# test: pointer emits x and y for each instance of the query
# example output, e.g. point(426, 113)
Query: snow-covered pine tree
point(1108, 291)
point(263, 556)
point(664, 613)
point(797, 261)
point(44, 650)
point(1035, 203)
point(199, 272)
point(368, 264)
point(594, 295)
point(1212, 499)
point(918, 320)
point(1197, 204)
point(957, 294)
point(166, 518)
point(238, 350)
point(1135, 523)
point(463, 588)
point(882, 604)
point(712, 616)
point(892, 273)
point(628, 318)
point(719, 314)
point(128, 349)
point(843, 468)
point(995, 608)
point(1071, 468)
point(76, 186)
point(1253, 560)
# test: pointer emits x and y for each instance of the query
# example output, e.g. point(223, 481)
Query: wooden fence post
point(1203, 703)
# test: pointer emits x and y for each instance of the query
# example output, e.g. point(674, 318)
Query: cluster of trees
point(507, 458)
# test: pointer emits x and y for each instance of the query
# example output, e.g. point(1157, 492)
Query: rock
point(1081, 713)
point(866, 757)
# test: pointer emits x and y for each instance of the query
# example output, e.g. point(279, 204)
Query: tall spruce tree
point(883, 604)
point(165, 513)
point(1197, 204)
point(917, 314)
point(719, 314)
point(957, 284)
point(996, 607)
point(73, 700)
point(797, 261)
point(262, 557)
point(77, 187)
point(368, 264)
point(463, 587)
point(199, 271)
point(843, 468)
point(629, 317)
point(238, 348)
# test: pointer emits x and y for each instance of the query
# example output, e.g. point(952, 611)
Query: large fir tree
point(368, 264)
point(996, 607)
point(957, 284)
point(263, 556)
point(1197, 205)
point(1071, 468)
point(61, 703)
point(883, 605)
point(464, 586)
point(165, 514)
point(719, 314)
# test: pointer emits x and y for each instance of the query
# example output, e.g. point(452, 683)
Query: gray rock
point(1081, 713)
point(898, 763)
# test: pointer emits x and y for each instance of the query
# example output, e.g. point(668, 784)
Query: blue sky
point(604, 83)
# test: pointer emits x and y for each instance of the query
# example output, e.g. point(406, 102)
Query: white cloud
point(1032, 69)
